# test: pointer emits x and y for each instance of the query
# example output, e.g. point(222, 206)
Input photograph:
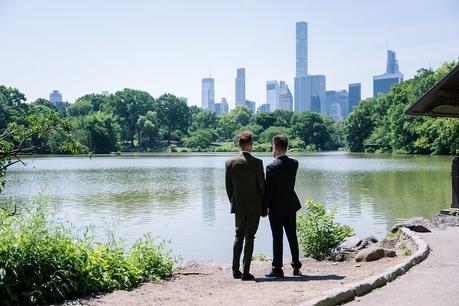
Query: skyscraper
point(330, 98)
point(224, 106)
point(383, 83)
point(240, 87)
point(208, 94)
point(354, 95)
point(264, 108)
point(310, 94)
point(342, 98)
point(301, 49)
point(285, 97)
point(250, 105)
point(55, 98)
point(272, 95)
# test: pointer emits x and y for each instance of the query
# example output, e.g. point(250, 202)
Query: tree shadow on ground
point(303, 278)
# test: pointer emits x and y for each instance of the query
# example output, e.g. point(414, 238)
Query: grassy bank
point(42, 261)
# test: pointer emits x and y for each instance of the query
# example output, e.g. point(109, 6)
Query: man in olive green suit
point(245, 186)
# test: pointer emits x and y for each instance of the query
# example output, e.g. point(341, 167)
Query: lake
point(181, 197)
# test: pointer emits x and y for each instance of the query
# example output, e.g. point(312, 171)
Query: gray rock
point(374, 253)
point(445, 220)
point(350, 246)
point(416, 224)
point(350, 242)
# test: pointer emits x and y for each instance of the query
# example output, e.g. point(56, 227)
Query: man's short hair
point(280, 142)
point(244, 139)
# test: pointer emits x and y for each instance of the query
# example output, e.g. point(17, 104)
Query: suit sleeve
point(228, 182)
point(269, 189)
point(261, 180)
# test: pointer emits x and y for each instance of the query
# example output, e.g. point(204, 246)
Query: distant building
point(301, 49)
point(240, 87)
point(222, 107)
point(354, 95)
point(310, 94)
point(330, 98)
point(285, 101)
point(272, 95)
point(105, 93)
point(55, 98)
point(264, 108)
point(250, 104)
point(342, 97)
point(383, 83)
point(335, 112)
point(208, 94)
point(183, 99)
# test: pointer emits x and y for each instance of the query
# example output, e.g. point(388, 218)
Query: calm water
point(182, 197)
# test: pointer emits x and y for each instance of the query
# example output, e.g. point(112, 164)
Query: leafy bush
point(41, 261)
point(318, 232)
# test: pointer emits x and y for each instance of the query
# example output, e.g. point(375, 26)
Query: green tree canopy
point(128, 105)
point(173, 115)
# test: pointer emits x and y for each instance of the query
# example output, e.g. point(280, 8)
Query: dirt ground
point(213, 284)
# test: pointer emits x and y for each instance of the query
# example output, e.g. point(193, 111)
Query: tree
point(16, 139)
point(203, 120)
point(231, 122)
point(44, 102)
point(12, 106)
point(269, 133)
point(97, 101)
point(101, 132)
point(173, 115)
point(79, 108)
point(128, 105)
point(148, 130)
point(201, 139)
point(359, 125)
point(313, 129)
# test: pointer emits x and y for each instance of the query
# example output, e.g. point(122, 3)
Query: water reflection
point(183, 198)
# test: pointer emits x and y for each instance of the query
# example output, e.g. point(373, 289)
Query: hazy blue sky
point(87, 46)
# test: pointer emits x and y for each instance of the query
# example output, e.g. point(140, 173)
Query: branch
point(11, 213)
point(10, 164)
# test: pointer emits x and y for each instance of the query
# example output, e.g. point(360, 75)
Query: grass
point(42, 261)
point(405, 249)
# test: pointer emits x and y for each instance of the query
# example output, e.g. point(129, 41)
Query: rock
point(374, 253)
point(416, 224)
point(445, 220)
point(350, 242)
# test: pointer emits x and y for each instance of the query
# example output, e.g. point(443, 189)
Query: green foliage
point(406, 251)
point(149, 136)
point(203, 120)
point(200, 139)
point(318, 232)
point(314, 129)
point(99, 131)
point(41, 261)
point(269, 133)
point(128, 105)
point(79, 108)
point(381, 124)
point(173, 115)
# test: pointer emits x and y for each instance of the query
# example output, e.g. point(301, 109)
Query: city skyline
point(92, 47)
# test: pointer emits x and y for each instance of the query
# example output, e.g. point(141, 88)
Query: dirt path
point(212, 284)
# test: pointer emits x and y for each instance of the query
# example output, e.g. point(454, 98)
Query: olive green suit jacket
point(245, 183)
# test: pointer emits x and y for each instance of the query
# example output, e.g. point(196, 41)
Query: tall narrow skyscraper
point(208, 94)
point(383, 83)
point(240, 87)
point(354, 95)
point(301, 49)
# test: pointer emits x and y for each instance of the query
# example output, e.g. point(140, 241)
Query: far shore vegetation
point(132, 120)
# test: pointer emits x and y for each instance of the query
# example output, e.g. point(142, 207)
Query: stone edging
point(349, 292)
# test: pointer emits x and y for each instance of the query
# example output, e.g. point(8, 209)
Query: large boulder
point(416, 224)
point(374, 253)
point(349, 247)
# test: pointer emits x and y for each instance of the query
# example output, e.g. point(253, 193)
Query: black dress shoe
point(278, 273)
point(297, 272)
point(247, 277)
point(237, 274)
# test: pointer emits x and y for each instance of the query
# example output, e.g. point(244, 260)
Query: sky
point(89, 46)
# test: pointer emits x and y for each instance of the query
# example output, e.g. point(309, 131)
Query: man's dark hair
point(280, 142)
point(244, 139)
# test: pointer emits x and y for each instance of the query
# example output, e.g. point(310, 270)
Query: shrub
point(41, 261)
point(318, 232)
